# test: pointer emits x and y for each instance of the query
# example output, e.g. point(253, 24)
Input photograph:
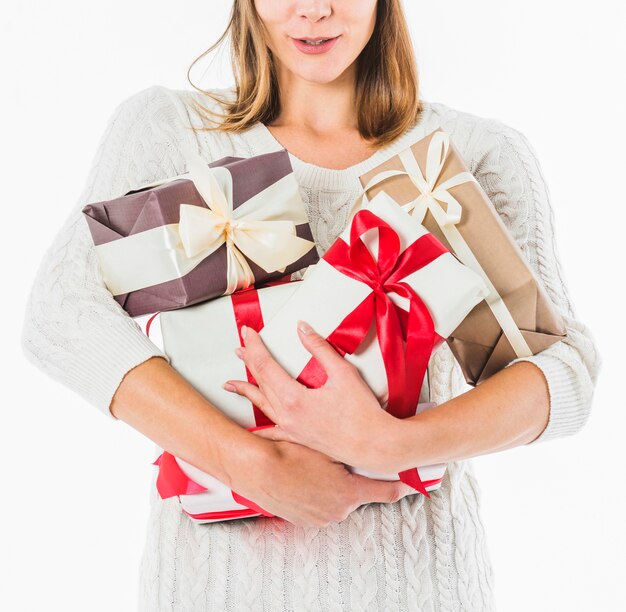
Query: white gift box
point(449, 289)
point(200, 342)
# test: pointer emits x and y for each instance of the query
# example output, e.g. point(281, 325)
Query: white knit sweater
point(416, 554)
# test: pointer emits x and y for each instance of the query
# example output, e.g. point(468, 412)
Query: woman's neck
point(317, 108)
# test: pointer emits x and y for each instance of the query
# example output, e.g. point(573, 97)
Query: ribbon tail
point(390, 340)
point(207, 186)
point(171, 480)
point(417, 208)
point(412, 478)
point(239, 274)
point(420, 343)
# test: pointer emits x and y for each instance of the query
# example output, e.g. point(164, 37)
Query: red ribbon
point(406, 339)
point(247, 310)
point(172, 481)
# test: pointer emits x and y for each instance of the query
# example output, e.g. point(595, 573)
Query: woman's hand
point(342, 419)
point(306, 487)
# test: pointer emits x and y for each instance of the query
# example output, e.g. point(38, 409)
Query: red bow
point(406, 339)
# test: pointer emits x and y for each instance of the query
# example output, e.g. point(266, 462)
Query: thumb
point(381, 491)
point(319, 347)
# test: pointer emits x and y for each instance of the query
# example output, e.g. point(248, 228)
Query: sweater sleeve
point(73, 329)
point(510, 173)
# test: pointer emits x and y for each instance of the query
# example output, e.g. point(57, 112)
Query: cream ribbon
point(263, 228)
point(431, 194)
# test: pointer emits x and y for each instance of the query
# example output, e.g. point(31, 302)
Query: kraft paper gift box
point(431, 181)
point(219, 227)
point(200, 342)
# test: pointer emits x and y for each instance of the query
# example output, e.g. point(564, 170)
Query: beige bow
point(263, 228)
point(254, 228)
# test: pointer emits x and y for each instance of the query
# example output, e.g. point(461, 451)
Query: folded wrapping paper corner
point(218, 228)
point(431, 181)
point(396, 287)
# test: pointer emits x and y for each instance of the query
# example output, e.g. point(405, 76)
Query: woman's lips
point(315, 49)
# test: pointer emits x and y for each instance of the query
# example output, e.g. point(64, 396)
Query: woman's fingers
point(254, 394)
point(271, 378)
point(321, 349)
point(381, 491)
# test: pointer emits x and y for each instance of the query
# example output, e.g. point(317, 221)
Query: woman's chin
point(319, 76)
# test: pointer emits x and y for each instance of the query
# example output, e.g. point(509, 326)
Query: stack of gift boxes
point(424, 259)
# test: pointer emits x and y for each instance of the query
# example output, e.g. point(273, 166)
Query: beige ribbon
point(431, 194)
point(263, 228)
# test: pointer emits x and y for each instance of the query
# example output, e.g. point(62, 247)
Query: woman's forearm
point(509, 409)
point(157, 401)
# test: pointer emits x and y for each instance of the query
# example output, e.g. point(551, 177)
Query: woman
point(348, 542)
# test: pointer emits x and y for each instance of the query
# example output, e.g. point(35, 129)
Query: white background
point(75, 485)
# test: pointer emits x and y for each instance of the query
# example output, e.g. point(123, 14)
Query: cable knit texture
point(416, 554)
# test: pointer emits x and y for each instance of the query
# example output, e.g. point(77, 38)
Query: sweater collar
point(311, 175)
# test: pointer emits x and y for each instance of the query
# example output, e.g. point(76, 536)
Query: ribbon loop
point(211, 236)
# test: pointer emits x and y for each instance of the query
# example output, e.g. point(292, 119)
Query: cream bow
point(263, 228)
point(430, 192)
point(430, 198)
point(249, 229)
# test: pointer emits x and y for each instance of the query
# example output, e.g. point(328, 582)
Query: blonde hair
point(386, 88)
